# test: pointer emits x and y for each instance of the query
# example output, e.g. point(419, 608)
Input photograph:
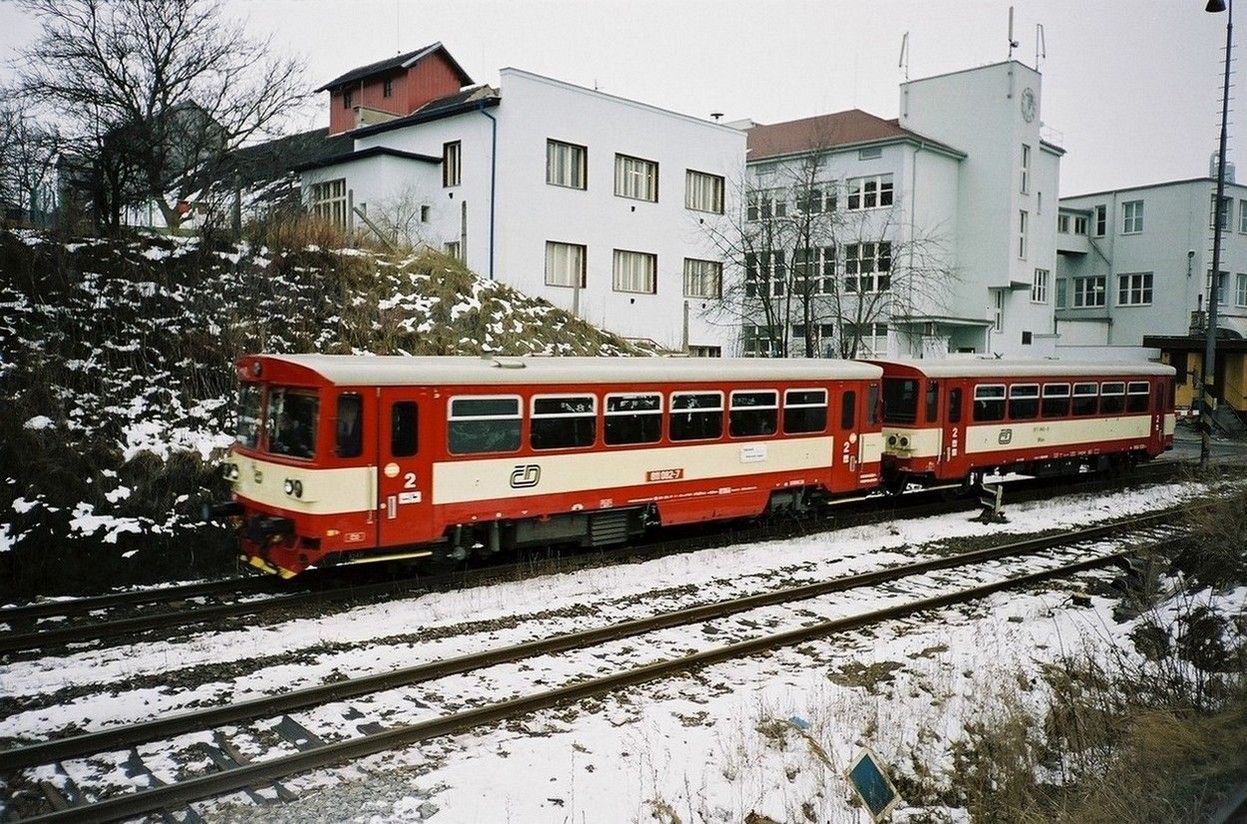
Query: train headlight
point(904, 441)
point(294, 488)
point(891, 440)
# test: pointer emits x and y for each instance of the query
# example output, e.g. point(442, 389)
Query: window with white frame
point(1222, 285)
point(453, 249)
point(703, 192)
point(814, 270)
point(1225, 211)
point(760, 342)
point(1062, 224)
point(764, 274)
point(872, 339)
point(1242, 216)
point(1089, 291)
point(1026, 168)
point(868, 192)
point(822, 335)
point(998, 309)
point(1132, 217)
point(565, 264)
point(328, 201)
point(1101, 220)
point(868, 267)
point(636, 178)
point(764, 204)
point(1240, 291)
point(452, 163)
point(703, 278)
point(1134, 289)
point(1080, 225)
point(635, 272)
point(567, 165)
point(817, 199)
point(1039, 286)
point(1023, 217)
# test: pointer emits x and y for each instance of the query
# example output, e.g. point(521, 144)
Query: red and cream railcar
point(959, 419)
point(346, 459)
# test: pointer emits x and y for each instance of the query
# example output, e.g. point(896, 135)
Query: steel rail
point(76, 606)
point(120, 738)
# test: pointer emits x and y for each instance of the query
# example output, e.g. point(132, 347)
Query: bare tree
point(28, 155)
point(156, 93)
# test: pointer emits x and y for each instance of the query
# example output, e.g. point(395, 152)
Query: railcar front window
point(292, 422)
point(484, 425)
point(989, 403)
point(753, 414)
point(633, 419)
point(696, 417)
point(900, 400)
point(805, 410)
point(249, 395)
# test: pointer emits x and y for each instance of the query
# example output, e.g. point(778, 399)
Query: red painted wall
point(428, 79)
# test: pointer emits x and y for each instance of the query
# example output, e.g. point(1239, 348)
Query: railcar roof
point(388, 370)
point(997, 368)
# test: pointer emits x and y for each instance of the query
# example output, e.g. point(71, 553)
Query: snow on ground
point(716, 745)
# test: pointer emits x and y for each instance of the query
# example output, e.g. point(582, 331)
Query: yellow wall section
point(325, 491)
point(462, 481)
point(1056, 433)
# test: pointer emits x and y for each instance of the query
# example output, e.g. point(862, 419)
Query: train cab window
point(933, 401)
point(872, 404)
point(1023, 401)
point(753, 414)
point(1112, 398)
point(989, 403)
point(248, 432)
point(292, 422)
point(848, 410)
point(484, 424)
point(1136, 396)
point(954, 405)
point(633, 419)
point(805, 410)
point(1055, 400)
point(900, 400)
point(349, 441)
point(1085, 395)
point(404, 424)
point(696, 416)
point(563, 422)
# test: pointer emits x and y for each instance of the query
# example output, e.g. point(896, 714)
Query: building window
point(567, 165)
point(873, 339)
point(817, 199)
point(1026, 168)
point(1242, 216)
point(451, 163)
point(1132, 217)
point(387, 88)
point(998, 307)
point(705, 351)
point(1225, 211)
point(764, 274)
point(424, 214)
point(329, 201)
point(1080, 225)
point(868, 267)
point(1089, 291)
point(1062, 224)
point(703, 192)
point(873, 153)
point(636, 178)
point(1101, 220)
point(454, 249)
point(703, 278)
point(869, 192)
point(814, 270)
point(1134, 289)
point(821, 337)
point(1062, 297)
point(1039, 286)
point(635, 272)
point(764, 204)
point(1022, 219)
point(348, 98)
point(565, 264)
point(1222, 286)
point(1240, 291)
point(760, 343)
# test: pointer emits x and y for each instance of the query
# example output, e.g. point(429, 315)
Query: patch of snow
point(39, 422)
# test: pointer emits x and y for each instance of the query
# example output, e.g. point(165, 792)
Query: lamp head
point(1215, 6)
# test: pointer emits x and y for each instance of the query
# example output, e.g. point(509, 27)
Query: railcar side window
point(696, 416)
point(1084, 399)
point(900, 400)
point(933, 401)
point(1136, 397)
point(753, 414)
point(805, 410)
point(404, 426)
point(248, 433)
point(484, 424)
point(989, 403)
point(633, 419)
point(1112, 398)
point(848, 409)
point(563, 422)
point(1055, 400)
point(350, 435)
point(292, 423)
point(1023, 401)
point(872, 404)
point(954, 405)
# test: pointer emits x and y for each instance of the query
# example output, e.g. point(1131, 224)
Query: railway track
point(1067, 554)
point(45, 626)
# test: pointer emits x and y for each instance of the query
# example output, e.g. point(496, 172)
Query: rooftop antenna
point(397, 47)
point(903, 61)
point(1013, 44)
point(1041, 45)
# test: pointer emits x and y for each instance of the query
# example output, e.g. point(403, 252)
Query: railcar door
point(952, 441)
point(404, 466)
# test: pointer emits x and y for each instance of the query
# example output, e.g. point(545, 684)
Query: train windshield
point(292, 422)
point(900, 400)
point(249, 415)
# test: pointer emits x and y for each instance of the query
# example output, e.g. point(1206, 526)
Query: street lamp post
point(1210, 331)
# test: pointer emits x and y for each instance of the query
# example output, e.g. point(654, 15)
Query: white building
point(593, 202)
point(943, 220)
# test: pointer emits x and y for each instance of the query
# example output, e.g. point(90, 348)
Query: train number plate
point(664, 475)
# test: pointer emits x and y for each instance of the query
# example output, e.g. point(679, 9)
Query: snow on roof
point(997, 368)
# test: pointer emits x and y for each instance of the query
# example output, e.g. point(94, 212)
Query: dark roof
point(364, 154)
point(478, 97)
point(1228, 340)
point(271, 160)
point(827, 131)
point(401, 61)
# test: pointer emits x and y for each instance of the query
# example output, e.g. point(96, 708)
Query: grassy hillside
point(116, 379)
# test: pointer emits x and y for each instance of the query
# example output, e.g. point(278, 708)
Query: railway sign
point(872, 785)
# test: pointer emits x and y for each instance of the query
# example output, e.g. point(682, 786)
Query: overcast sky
point(1131, 88)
